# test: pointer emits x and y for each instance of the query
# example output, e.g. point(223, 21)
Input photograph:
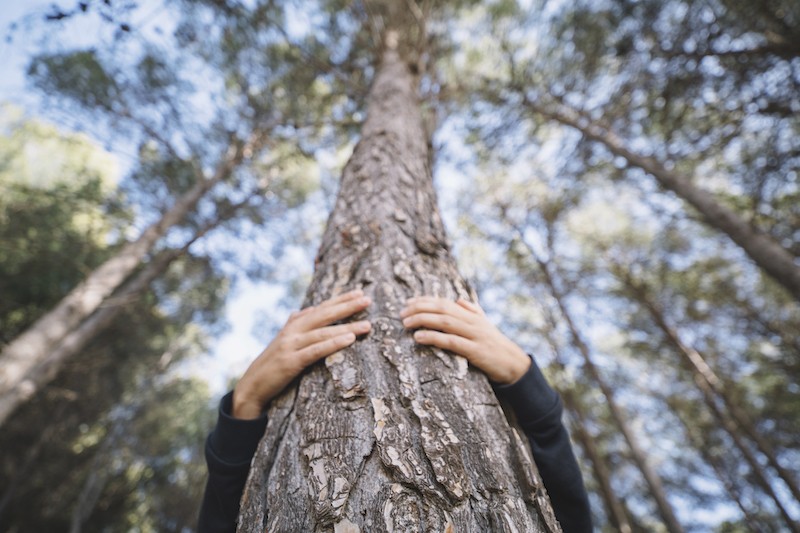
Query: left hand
point(462, 328)
point(307, 337)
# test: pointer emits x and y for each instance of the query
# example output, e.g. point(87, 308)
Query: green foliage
point(100, 429)
point(161, 175)
point(78, 75)
point(707, 87)
point(55, 224)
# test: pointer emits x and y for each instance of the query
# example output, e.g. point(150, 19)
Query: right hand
point(306, 338)
point(463, 328)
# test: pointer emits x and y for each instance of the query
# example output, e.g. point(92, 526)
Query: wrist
point(517, 366)
point(522, 363)
point(243, 406)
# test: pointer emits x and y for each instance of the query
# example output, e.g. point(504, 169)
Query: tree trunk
point(388, 435)
point(651, 477)
point(723, 474)
point(46, 370)
point(734, 420)
point(710, 384)
point(770, 256)
point(37, 343)
point(615, 510)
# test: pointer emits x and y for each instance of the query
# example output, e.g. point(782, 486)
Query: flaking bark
point(388, 436)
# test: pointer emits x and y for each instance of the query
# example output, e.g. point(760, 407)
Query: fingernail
point(403, 312)
point(350, 337)
point(365, 300)
point(406, 322)
point(419, 336)
point(364, 324)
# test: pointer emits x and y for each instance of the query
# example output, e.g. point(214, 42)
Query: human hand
point(306, 338)
point(462, 328)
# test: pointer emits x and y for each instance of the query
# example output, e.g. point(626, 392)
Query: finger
point(427, 304)
point(470, 306)
point(439, 322)
point(326, 315)
point(445, 341)
point(330, 301)
point(322, 334)
point(295, 314)
point(315, 352)
point(351, 295)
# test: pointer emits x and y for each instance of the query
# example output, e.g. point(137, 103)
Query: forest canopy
point(619, 178)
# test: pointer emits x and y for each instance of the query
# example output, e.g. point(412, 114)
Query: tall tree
point(32, 347)
point(179, 177)
point(699, 91)
point(650, 475)
point(615, 508)
point(386, 435)
point(58, 205)
point(768, 254)
point(736, 419)
point(45, 370)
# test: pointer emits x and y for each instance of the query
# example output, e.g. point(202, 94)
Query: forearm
point(229, 452)
point(538, 410)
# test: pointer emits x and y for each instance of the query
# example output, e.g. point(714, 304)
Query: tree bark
point(35, 344)
point(388, 435)
point(770, 256)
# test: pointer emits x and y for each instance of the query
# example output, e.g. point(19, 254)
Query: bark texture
point(388, 436)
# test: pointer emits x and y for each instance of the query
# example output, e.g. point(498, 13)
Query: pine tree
point(387, 436)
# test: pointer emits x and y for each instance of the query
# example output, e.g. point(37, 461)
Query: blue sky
point(251, 311)
point(251, 308)
point(249, 302)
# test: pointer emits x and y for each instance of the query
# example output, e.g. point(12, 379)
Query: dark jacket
point(230, 448)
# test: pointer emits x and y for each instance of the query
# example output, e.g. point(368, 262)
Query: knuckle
point(317, 350)
point(293, 340)
point(289, 342)
point(340, 342)
point(311, 354)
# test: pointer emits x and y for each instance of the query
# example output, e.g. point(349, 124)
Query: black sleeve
point(230, 448)
point(538, 410)
point(229, 451)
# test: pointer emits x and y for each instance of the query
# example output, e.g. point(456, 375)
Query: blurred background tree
point(558, 123)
